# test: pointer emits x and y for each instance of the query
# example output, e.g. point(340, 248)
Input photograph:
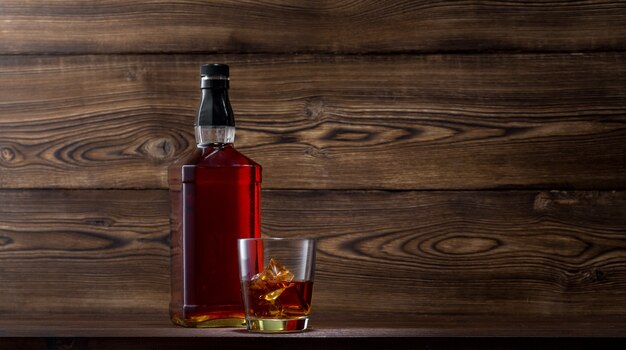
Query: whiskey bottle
point(214, 198)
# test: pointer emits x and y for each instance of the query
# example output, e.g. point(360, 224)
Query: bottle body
point(215, 199)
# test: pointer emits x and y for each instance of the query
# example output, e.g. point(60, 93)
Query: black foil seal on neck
point(217, 69)
point(214, 76)
point(215, 109)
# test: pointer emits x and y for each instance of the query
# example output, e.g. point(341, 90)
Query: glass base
point(277, 325)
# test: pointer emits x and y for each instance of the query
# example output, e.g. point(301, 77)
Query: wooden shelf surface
point(155, 332)
point(430, 327)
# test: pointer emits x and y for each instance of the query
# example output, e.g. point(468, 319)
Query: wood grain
point(398, 256)
point(92, 252)
point(322, 122)
point(482, 253)
point(121, 26)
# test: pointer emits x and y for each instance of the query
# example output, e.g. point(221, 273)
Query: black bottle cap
point(214, 69)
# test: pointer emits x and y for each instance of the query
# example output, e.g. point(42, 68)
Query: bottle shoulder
point(226, 156)
point(226, 160)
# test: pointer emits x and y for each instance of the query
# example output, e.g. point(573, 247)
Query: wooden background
point(455, 159)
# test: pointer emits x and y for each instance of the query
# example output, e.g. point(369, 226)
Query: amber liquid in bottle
point(214, 196)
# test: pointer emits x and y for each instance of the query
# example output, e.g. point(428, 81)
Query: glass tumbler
point(277, 282)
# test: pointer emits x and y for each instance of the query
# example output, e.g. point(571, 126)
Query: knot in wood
point(160, 148)
point(131, 75)
point(599, 275)
point(7, 154)
point(466, 245)
point(314, 108)
point(4, 240)
point(100, 222)
point(349, 135)
point(594, 275)
point(315, 152)
point(542, 202)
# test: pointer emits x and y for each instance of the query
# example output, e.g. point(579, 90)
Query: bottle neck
point(215, 122)
point(214, 135)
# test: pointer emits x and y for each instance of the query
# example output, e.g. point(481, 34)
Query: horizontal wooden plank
point(322, 122)
point(94, 252)
point(122, 26)
point(384, 258)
